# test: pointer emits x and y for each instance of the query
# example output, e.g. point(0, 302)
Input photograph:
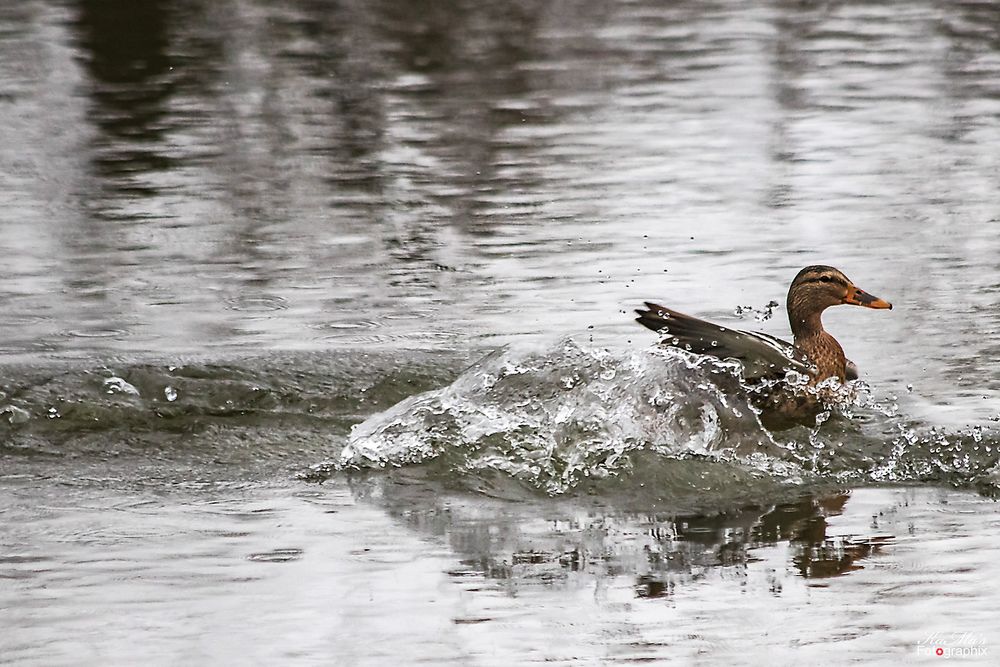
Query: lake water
point(235, 231)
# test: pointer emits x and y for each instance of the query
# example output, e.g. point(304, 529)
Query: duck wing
point(762, 356)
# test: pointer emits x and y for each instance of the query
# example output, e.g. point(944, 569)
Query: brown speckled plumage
point(814, 351)
point(826, 353)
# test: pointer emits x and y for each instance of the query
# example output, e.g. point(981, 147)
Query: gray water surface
point(233, 230)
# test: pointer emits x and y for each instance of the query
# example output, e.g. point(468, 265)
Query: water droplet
point(796, 379)
point(170, 393)
point(14, 414)
point(116, 385)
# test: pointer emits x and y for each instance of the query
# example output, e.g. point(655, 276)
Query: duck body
point(766, 361)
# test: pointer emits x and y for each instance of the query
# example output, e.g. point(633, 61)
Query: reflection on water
point(658, 549)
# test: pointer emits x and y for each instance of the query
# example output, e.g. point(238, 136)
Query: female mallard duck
point(765, 359)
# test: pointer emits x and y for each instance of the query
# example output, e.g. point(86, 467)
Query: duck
point(766, 361)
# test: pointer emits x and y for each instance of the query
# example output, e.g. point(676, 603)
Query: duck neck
point(804, 323)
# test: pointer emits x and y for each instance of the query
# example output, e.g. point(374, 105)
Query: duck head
point(816, 288)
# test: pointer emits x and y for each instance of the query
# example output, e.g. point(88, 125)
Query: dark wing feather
point(761, 355)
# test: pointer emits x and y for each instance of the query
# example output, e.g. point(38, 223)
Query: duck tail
point(655, 317)
point(666, 320)
point(680, 329)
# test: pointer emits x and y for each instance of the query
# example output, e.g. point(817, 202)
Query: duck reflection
point(551, 542)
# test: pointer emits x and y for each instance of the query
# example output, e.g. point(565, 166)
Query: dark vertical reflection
point(124, 47)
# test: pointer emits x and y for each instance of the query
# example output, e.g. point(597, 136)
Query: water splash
point(762, 314)
point(551, 418)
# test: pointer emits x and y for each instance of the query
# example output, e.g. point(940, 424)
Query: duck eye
point(824, 279)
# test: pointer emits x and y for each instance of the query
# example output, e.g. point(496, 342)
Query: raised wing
point(762, 356)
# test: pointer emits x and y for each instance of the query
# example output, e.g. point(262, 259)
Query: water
point(317, 336)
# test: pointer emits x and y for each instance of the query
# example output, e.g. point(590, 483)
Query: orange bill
point(859, 297)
